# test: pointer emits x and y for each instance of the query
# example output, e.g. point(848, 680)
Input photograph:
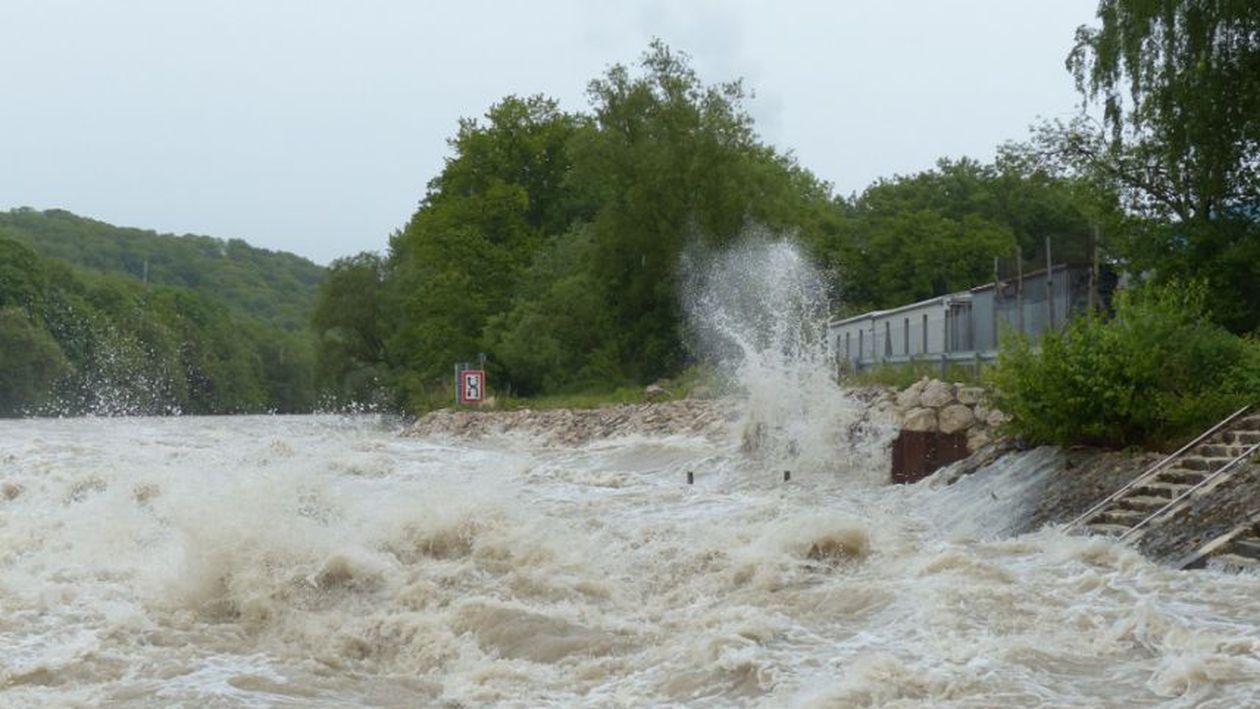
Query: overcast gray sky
point(313, 125)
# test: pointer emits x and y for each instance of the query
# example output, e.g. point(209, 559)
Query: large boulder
point(955, 418)
point(937, 394)
point(909, 398)
point(982, 413)
point(978, 438)
point(883, 409)
point(996, 418)
point(970, 395)
point(920, 419)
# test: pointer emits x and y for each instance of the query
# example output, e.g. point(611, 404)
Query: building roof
point(945, 299)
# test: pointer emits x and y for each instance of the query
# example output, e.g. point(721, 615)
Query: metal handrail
point(1157, 467)
point(1223, 469)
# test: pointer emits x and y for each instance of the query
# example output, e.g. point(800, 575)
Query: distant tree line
point(551, 241)
point(273, 286)
point(95, 338)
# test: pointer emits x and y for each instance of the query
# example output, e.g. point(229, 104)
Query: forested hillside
point(552, 241)
point(220, 327)
point(273, 286)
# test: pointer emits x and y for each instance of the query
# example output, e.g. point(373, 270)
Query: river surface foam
point(325, 561)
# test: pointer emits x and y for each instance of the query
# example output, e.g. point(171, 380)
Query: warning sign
point(472, 386)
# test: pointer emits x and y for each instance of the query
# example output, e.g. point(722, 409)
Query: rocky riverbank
point(934, 406)
point(570, 427)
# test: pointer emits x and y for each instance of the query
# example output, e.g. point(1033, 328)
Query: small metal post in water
point(691, 478)
point(787, 475)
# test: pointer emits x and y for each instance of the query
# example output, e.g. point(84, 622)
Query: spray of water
point(759, 311)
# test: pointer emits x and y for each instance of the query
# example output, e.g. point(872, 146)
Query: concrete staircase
point(1163, 489)
point(1238, 548)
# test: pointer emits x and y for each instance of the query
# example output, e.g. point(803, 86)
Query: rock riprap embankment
point(566, 427)
point(934, 406)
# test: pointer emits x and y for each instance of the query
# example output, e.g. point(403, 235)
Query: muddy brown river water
point(325, 561)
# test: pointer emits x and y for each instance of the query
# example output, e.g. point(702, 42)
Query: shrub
point(1155, 372)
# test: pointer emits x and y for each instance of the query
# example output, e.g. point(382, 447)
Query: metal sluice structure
point(964, 328)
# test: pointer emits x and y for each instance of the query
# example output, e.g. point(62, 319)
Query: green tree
point(553, 241)
point(272, 286)
point(556, 335)
point(30, 364)
point(351, 330)
point(937, 231)
point(1179, 83)
point(456, 263)
point(670, 161)
point(108, 343)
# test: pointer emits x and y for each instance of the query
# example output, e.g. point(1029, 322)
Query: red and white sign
point(472, 386)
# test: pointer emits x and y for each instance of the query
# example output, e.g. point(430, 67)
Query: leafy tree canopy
point(552, 241)
point(1179, 84)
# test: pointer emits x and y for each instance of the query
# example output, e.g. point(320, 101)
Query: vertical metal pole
point(1095, 298)
point(997, 299)
point(1049, 285)
point(1019, 290)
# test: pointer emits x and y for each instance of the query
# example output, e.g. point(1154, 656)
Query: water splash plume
point(759, 310)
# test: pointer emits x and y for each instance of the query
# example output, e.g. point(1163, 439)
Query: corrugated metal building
point(964, 326)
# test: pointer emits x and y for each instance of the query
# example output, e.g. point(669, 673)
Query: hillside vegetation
point(220, 327)
point(273, 286)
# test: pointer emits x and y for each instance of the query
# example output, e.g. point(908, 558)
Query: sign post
point(471, 387)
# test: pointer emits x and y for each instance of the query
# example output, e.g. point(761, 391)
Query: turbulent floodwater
point(262, 561)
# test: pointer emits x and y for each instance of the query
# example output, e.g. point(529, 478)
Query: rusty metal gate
point(917, 454)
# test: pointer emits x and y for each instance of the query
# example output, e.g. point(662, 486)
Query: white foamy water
point(759, 310)
point(264, 561)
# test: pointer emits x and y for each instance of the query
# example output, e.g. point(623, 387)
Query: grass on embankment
point(900, 376)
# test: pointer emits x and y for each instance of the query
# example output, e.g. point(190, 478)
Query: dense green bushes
point(1155, 372)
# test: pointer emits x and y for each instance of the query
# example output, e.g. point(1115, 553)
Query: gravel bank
point(568, 427)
